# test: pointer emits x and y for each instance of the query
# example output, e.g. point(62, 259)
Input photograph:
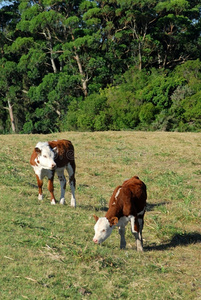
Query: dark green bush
point(148, 100)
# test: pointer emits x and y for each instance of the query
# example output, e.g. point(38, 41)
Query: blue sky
point(3, 3)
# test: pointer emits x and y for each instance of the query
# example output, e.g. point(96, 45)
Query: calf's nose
point(95, 240)
point(53, 165)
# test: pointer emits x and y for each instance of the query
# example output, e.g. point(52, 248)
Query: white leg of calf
point(73, 201)
point(139, 246)
point(141, 227)
point(62, 180)
point(137, 235)
point(138, 241)
point(71, 182)
point(63, 185)
point(40, 197)
point(122, 235)
point(132, 219)
point(62, 201)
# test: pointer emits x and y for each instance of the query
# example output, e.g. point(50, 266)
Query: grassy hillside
point(46, 252)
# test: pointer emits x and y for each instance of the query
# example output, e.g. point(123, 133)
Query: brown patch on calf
point(136, 225)
point(64, 152)
point(38, 150)
point(113, 221)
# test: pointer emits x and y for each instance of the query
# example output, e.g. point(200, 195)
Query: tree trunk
point(10, 109)
point(49, 38)
point(83, 77)
point(84, 80)
point(140, 56)
point(52, 61)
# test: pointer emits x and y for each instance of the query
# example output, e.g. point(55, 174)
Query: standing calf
point(48, 157)
point(128, 203)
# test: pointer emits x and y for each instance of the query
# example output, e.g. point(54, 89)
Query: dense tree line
point(99, 65)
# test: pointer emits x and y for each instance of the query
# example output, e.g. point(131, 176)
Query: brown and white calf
point(128, 203)
point(48, 157)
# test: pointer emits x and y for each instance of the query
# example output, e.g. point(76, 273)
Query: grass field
point(46, 252)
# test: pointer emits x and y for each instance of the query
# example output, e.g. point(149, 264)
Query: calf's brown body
point(62, 158)
point(127, 203)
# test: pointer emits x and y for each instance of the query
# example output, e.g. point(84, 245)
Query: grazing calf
point(128, 203)
point(48, 157)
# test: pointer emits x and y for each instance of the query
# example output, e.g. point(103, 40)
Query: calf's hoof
point(40, 197)
point(73, 203)
point(53, 202)
point(62, 201)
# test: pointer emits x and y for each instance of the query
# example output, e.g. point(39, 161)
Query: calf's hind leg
point(71, 172)
point(136, 229)
point(62, 180)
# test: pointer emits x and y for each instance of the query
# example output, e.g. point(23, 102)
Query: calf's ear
point(96, 218)
point(55, 149)
point(113, 221)
point(38, 151)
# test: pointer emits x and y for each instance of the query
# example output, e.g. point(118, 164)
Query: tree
point(177, 31)
point(9, 86)
point(137, 18)
point(58, 56)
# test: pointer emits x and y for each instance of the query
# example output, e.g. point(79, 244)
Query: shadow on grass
point(177, 240)
point(91, 207)
point(151, 206)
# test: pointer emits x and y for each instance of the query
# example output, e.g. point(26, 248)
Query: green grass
point(46, 252)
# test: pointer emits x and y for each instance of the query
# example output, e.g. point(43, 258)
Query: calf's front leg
point(122, 237)
point(40, 184)
point(51, 189)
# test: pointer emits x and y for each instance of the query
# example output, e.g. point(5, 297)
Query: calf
point(128, 203)
point(48, 157)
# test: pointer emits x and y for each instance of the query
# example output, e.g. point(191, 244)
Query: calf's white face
point(102, 230)
point(45, 156)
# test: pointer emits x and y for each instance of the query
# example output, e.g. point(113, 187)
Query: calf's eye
point(103, 230)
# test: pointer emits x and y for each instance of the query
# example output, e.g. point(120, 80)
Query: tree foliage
point(99, 65)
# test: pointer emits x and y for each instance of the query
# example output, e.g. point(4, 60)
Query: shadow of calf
point(152, 206)
point(177, 240)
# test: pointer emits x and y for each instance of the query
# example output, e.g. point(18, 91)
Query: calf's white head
point(45, 155)
point(103, 228)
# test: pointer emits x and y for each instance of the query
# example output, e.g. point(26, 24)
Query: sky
point(3, 3)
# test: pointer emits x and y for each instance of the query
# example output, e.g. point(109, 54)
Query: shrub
point(148, 100)
point(147, 113)
point(89, 114)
